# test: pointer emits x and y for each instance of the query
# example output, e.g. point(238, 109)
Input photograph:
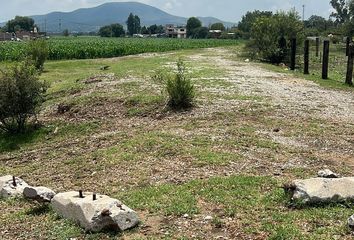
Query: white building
point(175, 32)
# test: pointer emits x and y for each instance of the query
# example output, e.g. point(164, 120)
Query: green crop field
point(94, 47)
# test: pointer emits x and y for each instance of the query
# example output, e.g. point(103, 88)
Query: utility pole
point(45, 26)
point(303, 13)
point(59, 25)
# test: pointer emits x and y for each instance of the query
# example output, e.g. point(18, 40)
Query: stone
point(351, 222)
point(322, 190)
point(40, 194)
point(105, 213)
point(208, 218)
point(8, 189)
point(327, 174)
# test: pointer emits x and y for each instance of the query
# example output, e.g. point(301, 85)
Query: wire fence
point(338, 60)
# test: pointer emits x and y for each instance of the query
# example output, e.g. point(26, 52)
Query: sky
point(227, 10)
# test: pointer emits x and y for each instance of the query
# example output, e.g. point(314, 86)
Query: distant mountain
point(91, 19)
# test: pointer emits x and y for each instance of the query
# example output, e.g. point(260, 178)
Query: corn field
point(95, 47)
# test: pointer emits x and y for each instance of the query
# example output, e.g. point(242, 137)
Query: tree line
point(194, 27)
point(269, 33)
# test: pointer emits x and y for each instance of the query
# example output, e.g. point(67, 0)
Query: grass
point(249, 199)
point(217, 160)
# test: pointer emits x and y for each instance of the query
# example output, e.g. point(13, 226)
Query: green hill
point(91, 19)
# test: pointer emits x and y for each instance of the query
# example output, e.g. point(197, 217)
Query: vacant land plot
point(214, 172)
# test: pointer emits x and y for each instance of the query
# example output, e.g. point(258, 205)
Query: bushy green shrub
point(270, 36)
point(180, 89)
point(20, 96)
point(38, 52)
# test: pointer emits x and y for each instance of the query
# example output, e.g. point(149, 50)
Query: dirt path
point(293, 95)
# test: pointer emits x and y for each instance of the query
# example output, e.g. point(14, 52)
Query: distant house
point(6, 36)
point(176, 32)
point(21, 35)
point(25, 35)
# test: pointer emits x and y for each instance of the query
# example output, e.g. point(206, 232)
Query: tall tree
point(20, 24)
point(317, 22)
point(341, 11)
point(113, 30)
point(193, 23)
point(249, 18)
point(133, 24)
point(137, 24)
point(344, 15)
point(217, 26)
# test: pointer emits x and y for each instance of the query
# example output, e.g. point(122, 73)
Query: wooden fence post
point(325, 59)
point(293, 54)
point(317, 46)
point(306, 56)
point(349, 78)
point(347, 46)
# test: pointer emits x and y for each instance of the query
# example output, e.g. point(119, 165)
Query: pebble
point(208, 218)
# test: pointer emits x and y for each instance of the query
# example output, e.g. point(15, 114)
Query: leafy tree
point(154, 29)
point(160, 29)
point(144, 30)
point(200, 32)
point(271, 35)
point(217, 26)
point(20, 96)
point(133, 24)
point(66, 33)
point(20, 23)
point(342, 10)
point(344, 15)
point(317, 25)
point(113, 30)
point(248, 20)
point(192, 24)
point(137, 24)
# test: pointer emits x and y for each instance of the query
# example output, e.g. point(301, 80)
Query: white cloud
point(230, 10)
point(168, 6)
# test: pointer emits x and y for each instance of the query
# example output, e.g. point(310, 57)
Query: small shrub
point(180, 89)
point(21, 94)
point(38, 52)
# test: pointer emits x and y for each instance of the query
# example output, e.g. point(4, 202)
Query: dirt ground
point(263, 123)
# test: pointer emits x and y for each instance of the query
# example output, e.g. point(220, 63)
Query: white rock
point(8, 189)
point(324, 190)
point(327, 174)
point(351, 222)
point(186, 215)
point(40, 194)
point(208, 218)
point(94, 216)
